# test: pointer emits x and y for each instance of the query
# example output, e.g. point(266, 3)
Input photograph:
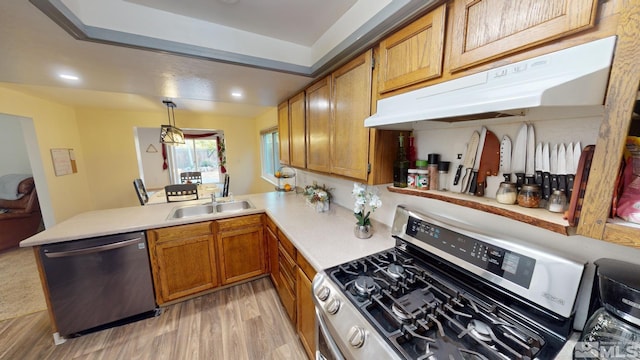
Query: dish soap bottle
point(401, 165)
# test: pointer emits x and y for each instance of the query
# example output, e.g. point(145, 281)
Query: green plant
point(315, 193)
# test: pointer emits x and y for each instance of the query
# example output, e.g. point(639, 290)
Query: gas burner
point(364, 285)
point(396, 271)
point(399, 313)
point(480, 330)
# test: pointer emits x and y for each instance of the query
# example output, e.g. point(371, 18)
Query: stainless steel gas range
point(446, 292)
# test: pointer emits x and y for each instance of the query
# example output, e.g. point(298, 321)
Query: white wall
point(14, 158)
point(150, 162)
point(449, 140)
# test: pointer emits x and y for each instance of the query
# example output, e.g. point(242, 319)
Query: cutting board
point(489, 161)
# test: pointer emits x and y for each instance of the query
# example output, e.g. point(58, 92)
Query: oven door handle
point(324, 330)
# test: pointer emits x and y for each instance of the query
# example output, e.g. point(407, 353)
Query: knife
point(505, 158)
point(577, 153)
point(562, 169)
point(531, 148)
point(518, 156)
point(538, 178)
point(469, 156)
point(571, 170)
point(489, 161)
point(546, 177)
point(553, 160)
point(473, 183)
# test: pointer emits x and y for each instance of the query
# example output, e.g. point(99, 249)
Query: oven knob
point(323, 293)
point(332, 306)
point(356, 336)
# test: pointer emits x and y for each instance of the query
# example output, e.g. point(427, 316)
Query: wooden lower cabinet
point(305, 309)
point(241, 248)
point(183, 261)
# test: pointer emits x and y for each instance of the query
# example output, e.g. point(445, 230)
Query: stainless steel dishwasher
point(97, 281)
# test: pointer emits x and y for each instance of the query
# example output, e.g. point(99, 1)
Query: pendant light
point(170, 134)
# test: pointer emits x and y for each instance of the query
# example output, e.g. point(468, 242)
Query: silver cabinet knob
point(356, 336)
point(332, 306)
point(323, 293)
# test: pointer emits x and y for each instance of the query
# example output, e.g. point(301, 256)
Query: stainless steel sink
point(182, 212)
point(191, 210)
point(234, 206)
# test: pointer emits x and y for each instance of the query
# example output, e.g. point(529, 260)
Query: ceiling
point(131, 54)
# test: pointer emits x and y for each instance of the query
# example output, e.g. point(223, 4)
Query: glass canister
point(507, 193)
point(529, 196)
point(557, 202)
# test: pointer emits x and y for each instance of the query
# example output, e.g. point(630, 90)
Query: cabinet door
point(182, 261)
point(319, 125)
point(487, 29)
point(305, 308)
point(283, 132)
point(272, 246)
point(241, 248)
point(414, 53)
point(350, 105)
point(297, 131)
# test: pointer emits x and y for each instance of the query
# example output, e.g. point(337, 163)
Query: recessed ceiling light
point(236, 94)
point(69, 77)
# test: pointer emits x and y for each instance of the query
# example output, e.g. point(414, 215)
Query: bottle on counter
point(557, 202)
point(443, 171)
point(411, 151)
point(412, 179)
point(401, 165)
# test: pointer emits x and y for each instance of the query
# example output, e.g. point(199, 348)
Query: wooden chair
point(181, 192)
point(143, 196)
point(225, 189)
point(191, 177)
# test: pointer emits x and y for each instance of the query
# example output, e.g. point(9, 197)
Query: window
point(197, 154)
point(270, 151)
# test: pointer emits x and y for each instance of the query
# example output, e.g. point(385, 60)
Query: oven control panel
point(507, 264)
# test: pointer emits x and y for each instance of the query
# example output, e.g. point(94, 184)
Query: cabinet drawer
point(180, 232)
point(243, 221)
point(287, 271)
point(288, 299)
point(286, 244)
point(304, 265)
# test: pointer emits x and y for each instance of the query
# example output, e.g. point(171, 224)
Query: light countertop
point(325, 239)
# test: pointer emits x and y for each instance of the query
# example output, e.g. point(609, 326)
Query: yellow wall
point(110, 154)
point(103, 140)
point(267, 120)
point(55, 127)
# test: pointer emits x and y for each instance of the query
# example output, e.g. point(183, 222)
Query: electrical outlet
point(459, 156)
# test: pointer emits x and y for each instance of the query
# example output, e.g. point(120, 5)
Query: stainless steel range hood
point(571, 77)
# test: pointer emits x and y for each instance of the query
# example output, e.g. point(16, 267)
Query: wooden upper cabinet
point(414, 53)
point(484, 30)
point(283, 132)
point(297, 131)
point(319, 125)
point(350, 105)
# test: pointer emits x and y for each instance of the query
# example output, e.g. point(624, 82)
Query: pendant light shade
point(170, 134)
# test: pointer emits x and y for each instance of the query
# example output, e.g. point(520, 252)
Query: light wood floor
point(241, 322)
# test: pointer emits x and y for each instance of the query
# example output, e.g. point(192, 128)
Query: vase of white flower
point(365, 196)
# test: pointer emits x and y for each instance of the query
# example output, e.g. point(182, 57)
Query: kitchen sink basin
point(182, 212)
point(191, 210)
point(234, 206)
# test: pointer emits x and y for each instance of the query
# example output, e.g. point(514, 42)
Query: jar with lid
point(507, 193)
point(529, 196)
point(557, 202)
point(423, 179)
point(412, 178)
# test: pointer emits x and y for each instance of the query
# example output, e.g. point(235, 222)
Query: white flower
point(364, 196)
